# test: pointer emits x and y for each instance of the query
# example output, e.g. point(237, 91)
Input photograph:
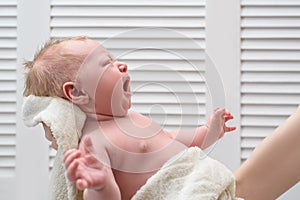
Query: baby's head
point(51, 67)
point(82, 71)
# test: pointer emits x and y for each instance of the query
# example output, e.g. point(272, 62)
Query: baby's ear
point(75, 95)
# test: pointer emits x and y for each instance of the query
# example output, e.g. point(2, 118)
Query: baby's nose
point(122, 67)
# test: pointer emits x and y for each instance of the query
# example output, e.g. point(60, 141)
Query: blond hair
point(51, 68)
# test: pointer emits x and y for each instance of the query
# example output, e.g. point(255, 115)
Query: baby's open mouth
point(126, 84)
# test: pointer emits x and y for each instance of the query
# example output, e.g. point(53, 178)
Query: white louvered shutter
point(165, 59)
point(8, 57)
point(270, 67)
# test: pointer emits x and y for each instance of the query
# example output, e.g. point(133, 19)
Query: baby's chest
point(134, 136)
point(125, 141)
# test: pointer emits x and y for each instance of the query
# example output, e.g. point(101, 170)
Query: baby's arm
point(90, 174)
point(206, 135)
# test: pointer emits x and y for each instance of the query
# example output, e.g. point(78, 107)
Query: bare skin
point(120, 150)
point(128, 160)
point(49, 136)
point(274, 166)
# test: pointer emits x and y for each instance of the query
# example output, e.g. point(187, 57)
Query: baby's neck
point(93, 121)
point(102, 117)
point(99, 117)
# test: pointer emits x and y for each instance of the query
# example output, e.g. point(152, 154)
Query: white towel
point(190, 175)
point(66, 122)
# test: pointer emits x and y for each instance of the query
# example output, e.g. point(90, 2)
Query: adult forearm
point(274, 165)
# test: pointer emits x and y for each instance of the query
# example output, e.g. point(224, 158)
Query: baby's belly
point(130, 183)
point(132, 169)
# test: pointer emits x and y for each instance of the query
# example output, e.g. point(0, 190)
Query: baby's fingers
point(229, 128)
point(81, 184)
point(88, 178)
point(72, 171)
point(228, 117)
point(70, 156)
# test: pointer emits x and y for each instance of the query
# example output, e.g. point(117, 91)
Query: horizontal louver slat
point(127, 12)
point(129, 3)
point(134, 22)
point(269, 11)
point(108, 32)
point(279, 3)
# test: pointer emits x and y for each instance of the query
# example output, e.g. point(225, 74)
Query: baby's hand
point(216, 125)
point(216, 122)
point(85, 169)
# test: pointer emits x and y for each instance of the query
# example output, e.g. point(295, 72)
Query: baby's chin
point(122, 113)
point(119, 110)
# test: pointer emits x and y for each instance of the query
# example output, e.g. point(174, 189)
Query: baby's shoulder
point(93, 139)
